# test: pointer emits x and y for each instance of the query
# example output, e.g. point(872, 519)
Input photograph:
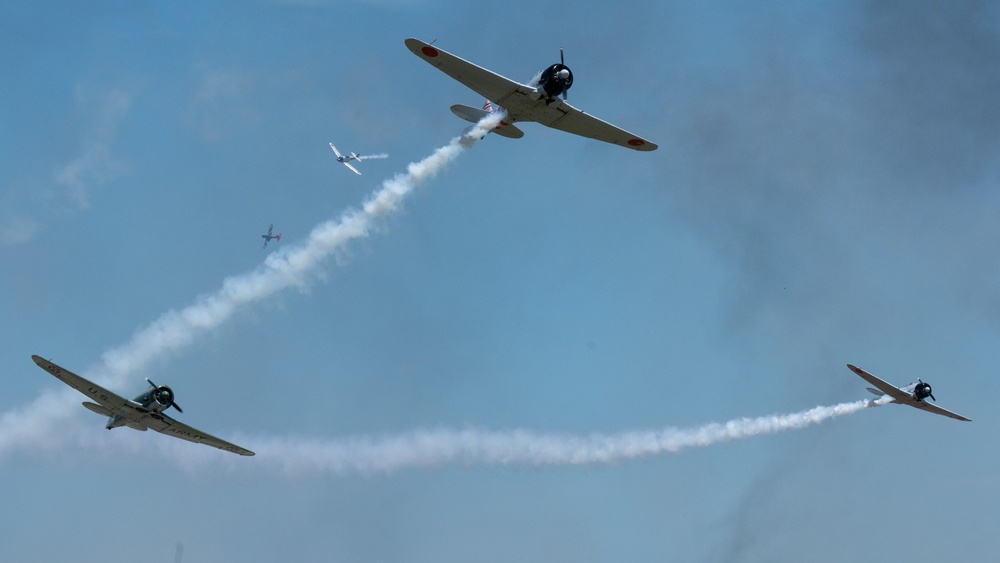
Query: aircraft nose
point(563, 74)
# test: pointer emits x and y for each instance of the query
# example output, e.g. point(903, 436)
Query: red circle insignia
point(636, 142)
point(429, 51)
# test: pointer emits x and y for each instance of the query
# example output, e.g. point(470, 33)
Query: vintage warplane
point(141, 413)
point(536, 101)
point(914, 394)
point(267, 238)
point(346, 159)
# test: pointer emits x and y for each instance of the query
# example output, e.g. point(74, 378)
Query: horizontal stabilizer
point(474, 115)
point(508, 131)
point(98, 409)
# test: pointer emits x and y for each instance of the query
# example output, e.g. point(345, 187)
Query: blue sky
point(825, 192)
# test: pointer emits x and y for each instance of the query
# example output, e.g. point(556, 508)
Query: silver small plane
point(914, 394)
point(267, 238)
point(141, 413)
point(346, 159)
point(536, 101)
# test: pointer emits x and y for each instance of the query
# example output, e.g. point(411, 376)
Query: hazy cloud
point(95, 163)
point(18, 230)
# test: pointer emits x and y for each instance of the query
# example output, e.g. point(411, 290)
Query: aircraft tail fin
point(279, 237)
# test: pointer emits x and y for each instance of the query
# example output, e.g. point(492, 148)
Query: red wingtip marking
point(429, 51)
point(636, 142)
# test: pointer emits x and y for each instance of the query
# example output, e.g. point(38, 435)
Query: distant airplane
point(267, 238)
point(536, 101)
point(346, 159)
point(141, 413)
point(913, 394)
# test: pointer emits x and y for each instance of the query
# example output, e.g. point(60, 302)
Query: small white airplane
point(536, 101)
point(914, 394)
point(141, 413)
point(346, 159)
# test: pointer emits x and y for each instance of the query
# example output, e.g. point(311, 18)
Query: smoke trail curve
point(291, 266)
point(431, 448)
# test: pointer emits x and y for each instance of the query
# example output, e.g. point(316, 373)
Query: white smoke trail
point(370, 156)
point(432, 448)
point(292, 266)
point(369, 455)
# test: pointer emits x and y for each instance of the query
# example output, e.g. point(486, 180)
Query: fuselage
point(153, 401)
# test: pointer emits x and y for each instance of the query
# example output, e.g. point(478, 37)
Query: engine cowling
point(556, 80)
point(922, 391)
point(163, 397)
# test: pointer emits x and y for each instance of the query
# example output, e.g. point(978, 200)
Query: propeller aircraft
point(538, 101)
point(144, 412)
point(267, 238)
point(346, 159)
point(914, 394)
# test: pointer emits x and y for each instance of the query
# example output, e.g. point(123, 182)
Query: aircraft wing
point(522, 102)
point(107, 399)
point(486, 83)
point(925, 406)
point(171, 427)
point(884, 386)
point(571, 120)
point(133, 411)
point(348, 164)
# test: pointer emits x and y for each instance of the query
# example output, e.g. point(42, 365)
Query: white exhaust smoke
point(476, 447)
point(297, 457)
point(291, 266)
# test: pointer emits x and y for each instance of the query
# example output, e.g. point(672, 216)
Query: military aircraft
point(914, 394)
point(346, 159)
point(141, 413)
point(267, 238)
point(536, 101)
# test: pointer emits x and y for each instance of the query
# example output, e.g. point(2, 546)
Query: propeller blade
point(562, 61)
point(176, 406)
point(932, 397)
point(150, 381)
